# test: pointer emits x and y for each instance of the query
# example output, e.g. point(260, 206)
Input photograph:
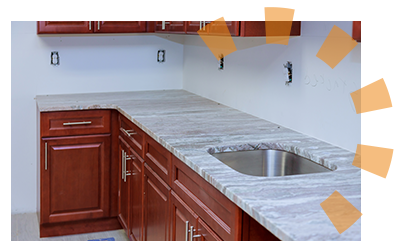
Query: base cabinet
point(75, 178)
point(159, 198)
point(156, 207)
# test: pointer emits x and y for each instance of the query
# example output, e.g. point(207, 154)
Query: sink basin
point(269, 162)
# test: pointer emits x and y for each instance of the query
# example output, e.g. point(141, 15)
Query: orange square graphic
point(340, 211)
point(336, 47)
point(278, 24)
point(371, 97)
point(218, 38)
point(375, 160)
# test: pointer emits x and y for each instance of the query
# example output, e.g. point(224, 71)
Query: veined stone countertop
point(191, 126)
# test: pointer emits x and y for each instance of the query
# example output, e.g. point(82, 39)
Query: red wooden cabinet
point(156, 207)
point(357, 31)
point(76, 184)
point(186, 225)
point(124, 189)
point(170, 27)
point(119, 27)
point(80, 27)
point(193, 26)
point(75, 178)
point(98, 182)
point(64, 27)
point(130, 191)
point(212, 28)
point(257, 28)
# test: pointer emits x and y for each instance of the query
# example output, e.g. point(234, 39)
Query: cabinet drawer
point(83, 122)
point(132, 134)
point(217, 211)
point(158, 158)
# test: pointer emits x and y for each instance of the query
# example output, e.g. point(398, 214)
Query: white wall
point(252, 81)
point(317, 103)
point(87, 64)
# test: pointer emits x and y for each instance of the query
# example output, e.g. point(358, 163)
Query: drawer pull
point(76, 123)
point(130, 132)
point(192, 230)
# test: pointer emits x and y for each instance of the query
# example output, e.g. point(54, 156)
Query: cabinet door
point(75, 178)
point(182, 219)
point(64, 27)
point(257, 28)
point(119, 27)
point(156, 207)
point(194, 26)
point(136, 207)
point(214, 27)
point(171, 27)
point(124, 185)
point(205, 232)
point(357, 31)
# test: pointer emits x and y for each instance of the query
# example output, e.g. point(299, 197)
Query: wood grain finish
point(132, 134)
point(64, 27)
point(119, 26)
point(217, 211)
point(136, 205)
point(171, 27)
point(257, 28)
point(83, 185)
point(52, 123)
point(158, 158)
point(78, 227)
point(253, 231)
point(193, 26)
point(76, 184)
point(156, 207)
point(357, 31)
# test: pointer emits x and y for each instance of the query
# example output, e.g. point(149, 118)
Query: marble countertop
point(191, 127)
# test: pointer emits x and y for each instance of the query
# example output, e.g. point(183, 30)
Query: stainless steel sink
point(269, 162)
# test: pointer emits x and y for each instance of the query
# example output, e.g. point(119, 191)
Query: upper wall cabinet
point(119, 27)
point(64, 27)
point(213, 28)
point(236, 28)
point(80, 27)
point(257, 28)
point(357, 31)
point(170, 27)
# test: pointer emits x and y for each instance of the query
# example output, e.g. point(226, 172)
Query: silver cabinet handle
point(192, 230)
point(163, 23)
point(90, 25)
point(130, 132)
point(124, 171)
point(98, 25)
point(187, 231)
point(201, 22)
point(76, 123)
point(204, 25)
point(45, 156)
